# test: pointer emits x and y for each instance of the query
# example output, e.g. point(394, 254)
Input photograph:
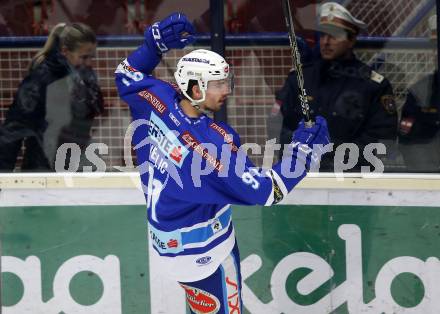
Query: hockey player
point(192, 168)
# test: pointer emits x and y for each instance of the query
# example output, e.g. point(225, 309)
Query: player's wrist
point(154, 40)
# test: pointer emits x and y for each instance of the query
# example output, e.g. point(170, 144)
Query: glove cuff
point(154, 39)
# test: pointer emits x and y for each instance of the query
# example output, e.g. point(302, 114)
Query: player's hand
point(317, 134)
point(309, 142)
point(173, 32)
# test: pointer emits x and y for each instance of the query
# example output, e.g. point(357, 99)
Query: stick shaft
point(297, 63)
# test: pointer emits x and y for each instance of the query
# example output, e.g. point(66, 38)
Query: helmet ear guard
point(202, 66)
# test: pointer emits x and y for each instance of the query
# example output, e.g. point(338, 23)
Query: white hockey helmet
point(202, 66)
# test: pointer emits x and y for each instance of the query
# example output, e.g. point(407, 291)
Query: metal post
point(437, 8)
point(1, 282)
point(218, 41)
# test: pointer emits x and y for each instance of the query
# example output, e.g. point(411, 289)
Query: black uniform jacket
point(27, 117)
point(420, 120)
point(357, 102)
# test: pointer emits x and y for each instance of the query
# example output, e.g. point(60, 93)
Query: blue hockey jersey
point(191, 170)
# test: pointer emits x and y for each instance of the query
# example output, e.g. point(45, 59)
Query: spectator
point(55, 103)
point(357, 102)
point(419, 136)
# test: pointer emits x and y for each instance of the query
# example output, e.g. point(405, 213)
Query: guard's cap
point(333, 17)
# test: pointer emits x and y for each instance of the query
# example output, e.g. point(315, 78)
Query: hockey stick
point(297, 64)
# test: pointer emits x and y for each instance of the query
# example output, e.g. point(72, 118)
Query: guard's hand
point(175, 31)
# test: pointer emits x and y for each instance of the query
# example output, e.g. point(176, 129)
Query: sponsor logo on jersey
point(176, 154)
point(174, 119)
point(165, 242)
point(125, 68)
point(196, 146)
point(172, 243)
point(172, 84)
point(157, 241)
point(200, 301)
point(226, 136)
point(175, 86)
point(233, 296)
point(153, 100)
point(203, 260)
point(167, 141)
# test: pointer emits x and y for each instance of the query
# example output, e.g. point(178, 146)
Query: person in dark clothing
point(419, 136)
point(419, 126)
point(55, 103)
point(357, 102)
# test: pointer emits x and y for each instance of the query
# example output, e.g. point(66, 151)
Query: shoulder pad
point(376, 77)
point(173, 85)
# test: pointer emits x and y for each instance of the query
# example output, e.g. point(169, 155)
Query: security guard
point(419, 136)
point(357, 102)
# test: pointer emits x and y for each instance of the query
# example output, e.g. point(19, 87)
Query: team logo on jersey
point(167, 141)
point(226, 136)
point(196, 146)
point(201, 302)
point(153, 100)
point(216, 226)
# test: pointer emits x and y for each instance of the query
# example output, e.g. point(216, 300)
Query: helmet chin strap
point(196, 103)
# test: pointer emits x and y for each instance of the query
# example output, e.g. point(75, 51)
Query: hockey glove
point(309, 142)
point(317, 134)
point(175, 31)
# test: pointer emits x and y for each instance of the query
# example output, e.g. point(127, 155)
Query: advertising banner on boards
point(295, 259)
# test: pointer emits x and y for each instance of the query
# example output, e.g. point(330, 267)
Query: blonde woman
point(55, 102)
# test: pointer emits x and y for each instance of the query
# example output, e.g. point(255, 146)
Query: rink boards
point(78, 244)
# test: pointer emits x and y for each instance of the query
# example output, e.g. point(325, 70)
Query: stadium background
point(83, 210)
point(256, 45)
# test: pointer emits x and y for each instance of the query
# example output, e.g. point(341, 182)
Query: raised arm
point(175, 31)
point(236, 180)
